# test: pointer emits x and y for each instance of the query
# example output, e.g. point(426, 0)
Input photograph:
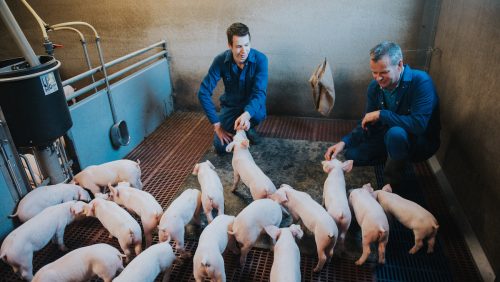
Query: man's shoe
point(253, 136)
point(393, 172)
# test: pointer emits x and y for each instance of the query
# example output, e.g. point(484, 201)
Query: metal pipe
point(101, 59)
point(30, 170)
point(115, 75)
point(84, 46)
point(112, 63)
point(82, 38)
point(136, 53)
point(87, 60)
point(64, 159)
point(49, 163)
point(18, 35)
point(76, 23)
point(11, 170)
point(39, 20)
point(108, 89)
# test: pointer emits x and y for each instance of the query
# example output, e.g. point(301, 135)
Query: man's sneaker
point(253, 136)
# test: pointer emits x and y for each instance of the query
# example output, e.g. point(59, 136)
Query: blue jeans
point(396, 143)
point(227, 117)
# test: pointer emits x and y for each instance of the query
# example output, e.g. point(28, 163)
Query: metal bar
point(106, 80)
point(112, 63)
point(84, 46)
point(11, 171)
point(136, 53)
point(64, 158)
point(87, 59)
point(115, 75)
point(30, 170)
point(81, 76)
point(18, 35)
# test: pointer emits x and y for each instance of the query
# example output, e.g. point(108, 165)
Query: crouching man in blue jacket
point(401, 121)
point(243, 103)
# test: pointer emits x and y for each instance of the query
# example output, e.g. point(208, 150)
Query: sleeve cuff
point(250, 111)
point(383, 116)
point(346, 140)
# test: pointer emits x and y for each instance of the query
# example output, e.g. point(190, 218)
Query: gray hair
point(387, 48)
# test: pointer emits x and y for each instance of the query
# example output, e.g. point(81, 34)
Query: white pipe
point(84, 46)
point(82, 38)
point(76, 23)
point(38, 19)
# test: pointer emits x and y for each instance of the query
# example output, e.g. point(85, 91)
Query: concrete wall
point(296, 36)
point(465, 69)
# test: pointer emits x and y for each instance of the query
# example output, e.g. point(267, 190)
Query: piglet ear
point(347, 165)
point(285, 186)
point(273, 231)
point(326, 167)
point(92, 207)
point(230, 225)
point(296, 231)
point(196, 169)
point(368, 186)
point(76, 208)
point(115, 192)
point(279, 196)
point(387, 188)
point(83, 195)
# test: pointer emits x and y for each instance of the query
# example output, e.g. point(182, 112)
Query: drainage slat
point(167, 158)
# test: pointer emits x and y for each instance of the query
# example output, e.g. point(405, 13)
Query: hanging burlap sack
point(323, 91)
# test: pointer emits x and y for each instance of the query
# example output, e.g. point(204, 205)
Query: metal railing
point(102, 81)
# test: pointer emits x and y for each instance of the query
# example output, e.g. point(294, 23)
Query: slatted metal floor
point(167, 158)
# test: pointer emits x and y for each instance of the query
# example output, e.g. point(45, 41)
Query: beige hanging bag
point(323, 91)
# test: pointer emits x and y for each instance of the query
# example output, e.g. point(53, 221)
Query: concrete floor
point(293, 162)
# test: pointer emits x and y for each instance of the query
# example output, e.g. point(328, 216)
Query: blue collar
point(405, 76)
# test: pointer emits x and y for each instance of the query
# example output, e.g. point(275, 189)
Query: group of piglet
point(47, 210)
point(329, 222)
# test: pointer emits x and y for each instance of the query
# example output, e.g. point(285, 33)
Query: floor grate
point(168, 155)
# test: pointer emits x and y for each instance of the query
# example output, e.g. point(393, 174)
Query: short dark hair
point(237, 29)
point(387, 48)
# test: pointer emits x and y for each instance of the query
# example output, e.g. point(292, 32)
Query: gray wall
point(465, 70)
point(295, 35)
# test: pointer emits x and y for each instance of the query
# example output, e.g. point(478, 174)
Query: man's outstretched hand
point(243, 121)
point(370, 118)
point(332, 151)
point(224, 136)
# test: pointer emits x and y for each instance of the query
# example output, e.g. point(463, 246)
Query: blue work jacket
point(244, 89)
point(417, 109)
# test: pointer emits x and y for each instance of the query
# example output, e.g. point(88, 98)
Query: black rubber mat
point(167, 158)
